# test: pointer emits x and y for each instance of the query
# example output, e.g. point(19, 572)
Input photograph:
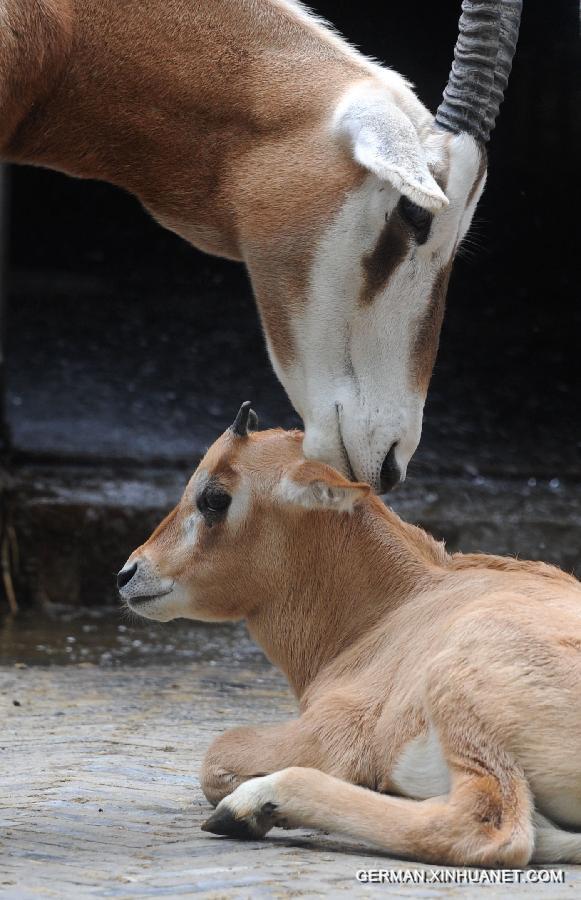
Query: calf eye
point(419, 218)
point(213, 503)
point(218, 501)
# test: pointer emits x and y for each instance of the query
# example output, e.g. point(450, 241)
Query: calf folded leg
point(246, 752)
point(486, 819)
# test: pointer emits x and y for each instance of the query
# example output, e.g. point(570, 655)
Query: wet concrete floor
point(112, 637)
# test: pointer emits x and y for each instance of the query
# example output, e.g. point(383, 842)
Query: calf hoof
point(251, 828)
point(248, 813)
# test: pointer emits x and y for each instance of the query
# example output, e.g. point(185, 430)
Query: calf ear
point(383, 140)
point(317, 486)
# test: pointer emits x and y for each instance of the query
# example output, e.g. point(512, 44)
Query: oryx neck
point(336, 583)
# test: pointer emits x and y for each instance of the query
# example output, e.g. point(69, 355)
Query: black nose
point(125, 575)
point(390, 474)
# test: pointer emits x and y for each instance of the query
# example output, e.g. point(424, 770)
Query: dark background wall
point(126, 343)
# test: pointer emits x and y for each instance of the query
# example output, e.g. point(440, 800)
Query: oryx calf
point(439, 694)
point(255, 132)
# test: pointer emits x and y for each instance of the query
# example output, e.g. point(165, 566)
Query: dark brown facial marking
point(381, 263)
point(479, 175)
point(425, 346)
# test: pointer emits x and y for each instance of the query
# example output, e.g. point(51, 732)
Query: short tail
point(554, 844)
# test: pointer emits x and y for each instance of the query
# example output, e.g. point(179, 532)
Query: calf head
point(251, 505)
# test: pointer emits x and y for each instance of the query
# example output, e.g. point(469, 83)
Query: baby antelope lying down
point(440, 695)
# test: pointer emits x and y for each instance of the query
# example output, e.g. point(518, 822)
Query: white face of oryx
point(366, 339)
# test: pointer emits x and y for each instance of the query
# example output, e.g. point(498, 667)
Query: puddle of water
point(108, 637)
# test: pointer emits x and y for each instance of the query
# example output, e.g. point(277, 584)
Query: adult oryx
point(255, 132)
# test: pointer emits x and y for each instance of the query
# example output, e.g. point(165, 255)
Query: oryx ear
point(318, 486)
point(383, 139)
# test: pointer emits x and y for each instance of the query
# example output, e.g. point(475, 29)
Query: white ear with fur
point(317, 486)
point(383, 140)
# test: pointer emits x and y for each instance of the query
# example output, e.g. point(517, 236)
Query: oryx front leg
point(249, 752)
point(486, 820)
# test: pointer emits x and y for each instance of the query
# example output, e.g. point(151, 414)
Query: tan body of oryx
point(256, 133)
point(439, 694)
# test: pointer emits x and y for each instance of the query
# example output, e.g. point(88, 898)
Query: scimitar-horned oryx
point(438, 693)
point(255, 132)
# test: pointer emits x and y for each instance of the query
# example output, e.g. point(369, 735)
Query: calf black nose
point(390, 474)
point(125, 575)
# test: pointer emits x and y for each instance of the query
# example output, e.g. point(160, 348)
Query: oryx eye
point(213, 502)
point(419, 218)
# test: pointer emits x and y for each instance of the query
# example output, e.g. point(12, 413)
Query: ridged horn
point(245, 421)
point(487, 36)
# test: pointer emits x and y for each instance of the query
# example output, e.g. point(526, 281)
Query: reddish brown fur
point(267, 175)
point(35, 38)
